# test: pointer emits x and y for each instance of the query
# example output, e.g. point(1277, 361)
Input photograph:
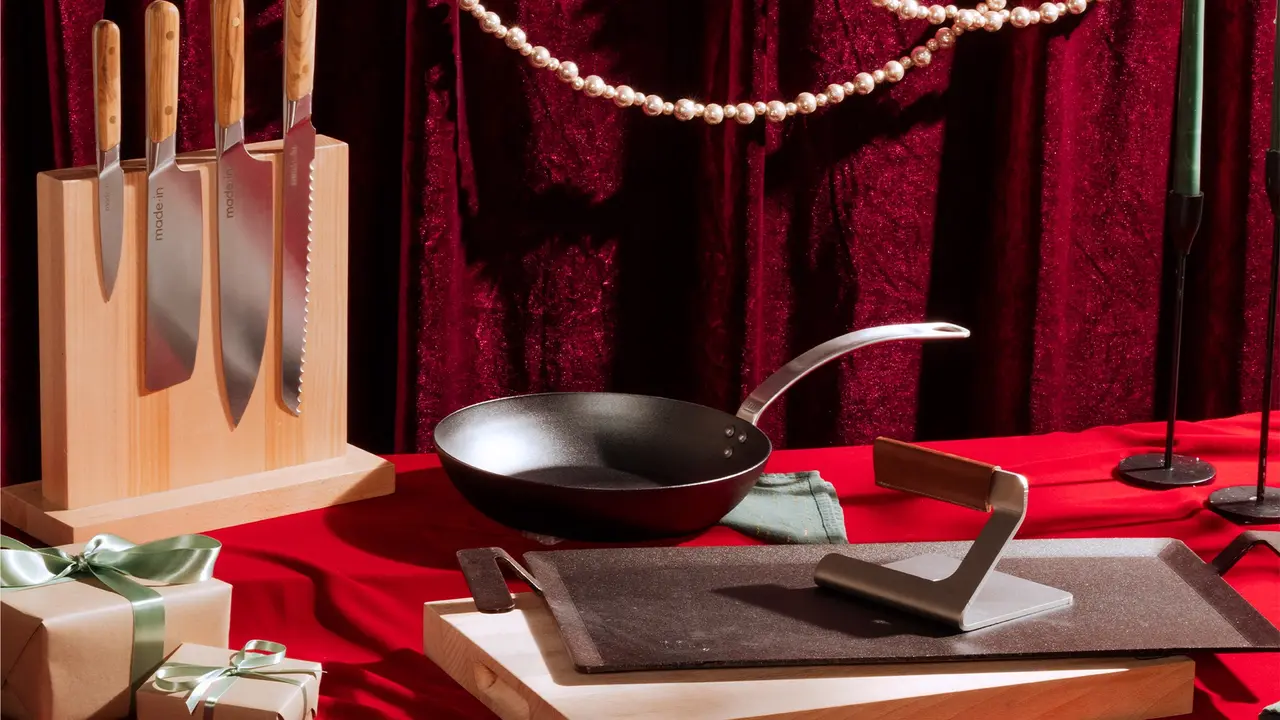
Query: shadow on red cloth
point(1219, 679)
point(404, 679)
point(1202, 707)
point(330, 595)
point(1068, 528)
point(394, 527)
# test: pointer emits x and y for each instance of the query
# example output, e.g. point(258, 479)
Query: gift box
point(199, 682)
point(74, 646)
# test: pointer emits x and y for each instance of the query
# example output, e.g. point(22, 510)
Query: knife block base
point(357, 475)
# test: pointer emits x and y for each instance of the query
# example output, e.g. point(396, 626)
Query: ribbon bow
point(208, 683)
point(118, 563)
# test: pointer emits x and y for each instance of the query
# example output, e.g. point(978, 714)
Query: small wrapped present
point(256, 682)
point(85, 626)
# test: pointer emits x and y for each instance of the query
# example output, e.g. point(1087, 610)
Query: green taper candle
point(1186, 154)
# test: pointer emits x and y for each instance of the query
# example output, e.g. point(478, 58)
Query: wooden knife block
point(144, 465)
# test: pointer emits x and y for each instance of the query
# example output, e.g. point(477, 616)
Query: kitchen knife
point(106, 91)
point(173, 216)
point(299, 179)
point(246, 226)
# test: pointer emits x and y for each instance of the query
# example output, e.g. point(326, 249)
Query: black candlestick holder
point(1165, 471)
point(1250, 504)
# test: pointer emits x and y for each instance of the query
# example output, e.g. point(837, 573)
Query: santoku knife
point(299, 179)
point(106, 90)
point(246, 226)
point(173, 216)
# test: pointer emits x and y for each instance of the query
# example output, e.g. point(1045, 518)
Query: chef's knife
point(246, 226)
point(106, 91)
point(173, 216)
point(299, 179)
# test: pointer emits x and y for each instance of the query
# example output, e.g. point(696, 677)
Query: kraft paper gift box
point(67, 648)
point(293, 694)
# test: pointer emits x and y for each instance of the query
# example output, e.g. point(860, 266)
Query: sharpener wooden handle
point(162, 70)
point(935, 474)
point(228, 61)
point(106, 82)
point(299, 48)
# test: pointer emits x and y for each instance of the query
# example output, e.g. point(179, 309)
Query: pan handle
point(483, 573)
point(777, 383)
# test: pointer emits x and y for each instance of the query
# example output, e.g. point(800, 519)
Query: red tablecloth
point(345, 586)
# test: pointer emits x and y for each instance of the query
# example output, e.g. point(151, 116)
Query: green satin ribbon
point(208, 683)
point(115, 562)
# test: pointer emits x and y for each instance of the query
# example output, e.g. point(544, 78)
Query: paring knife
point(175, 223)
point(246, 225)
point(299, 180)
point(106, 91)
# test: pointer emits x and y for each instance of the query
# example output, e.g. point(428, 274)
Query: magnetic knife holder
point(118, 458)
point(969, 593)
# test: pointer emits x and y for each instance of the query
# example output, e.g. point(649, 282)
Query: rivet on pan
point(728, 432)
point(728, 452)
point(742, 438)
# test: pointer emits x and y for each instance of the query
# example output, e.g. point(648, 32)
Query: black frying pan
point(616, 467)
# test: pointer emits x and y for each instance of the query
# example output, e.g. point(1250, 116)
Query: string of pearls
point(990, 15)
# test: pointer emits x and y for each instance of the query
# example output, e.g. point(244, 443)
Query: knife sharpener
point(968, 593)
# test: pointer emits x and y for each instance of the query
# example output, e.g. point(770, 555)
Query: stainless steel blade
point(175, 248)
point(110, 216)
point(295, 271)
point(246, 256)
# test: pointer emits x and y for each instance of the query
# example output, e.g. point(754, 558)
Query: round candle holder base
point(1149, 471)
point(1241, 505)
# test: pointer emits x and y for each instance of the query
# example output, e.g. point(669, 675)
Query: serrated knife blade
point(173, 217)
point(298, 197)
point(246, 226)
point(106, 90)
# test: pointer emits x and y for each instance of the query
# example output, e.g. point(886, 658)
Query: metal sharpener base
point(1002, 597)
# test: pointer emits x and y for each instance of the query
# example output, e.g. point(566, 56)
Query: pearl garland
point(990, 15)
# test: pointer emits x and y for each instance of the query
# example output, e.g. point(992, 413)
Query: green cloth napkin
point(790, 508)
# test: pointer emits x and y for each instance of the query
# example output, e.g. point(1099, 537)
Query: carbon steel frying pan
point(617, 467)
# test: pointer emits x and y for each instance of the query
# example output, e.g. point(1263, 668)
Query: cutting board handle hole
point(501, 697)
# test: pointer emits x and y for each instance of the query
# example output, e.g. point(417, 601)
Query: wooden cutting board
point(517, 665)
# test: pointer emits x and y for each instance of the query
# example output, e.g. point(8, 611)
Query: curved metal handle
point(1243, 543)
point(482, 569)
point(777, 383)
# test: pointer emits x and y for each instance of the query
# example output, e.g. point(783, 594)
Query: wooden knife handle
point(299, 48)
point(162, 70)
point(935, 474)
point(228, 60)
point(106, 82)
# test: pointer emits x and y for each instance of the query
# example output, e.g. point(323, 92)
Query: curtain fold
point(509, 235)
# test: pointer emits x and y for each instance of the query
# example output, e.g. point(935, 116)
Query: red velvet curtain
point(511, 236)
